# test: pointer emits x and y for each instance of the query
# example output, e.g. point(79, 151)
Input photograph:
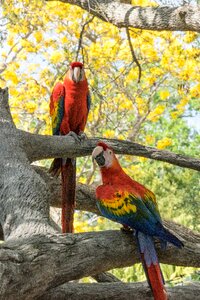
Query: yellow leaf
point(150, 139)
point(109, 133)
point(195, 91)
point(155, 114)
point(38, 36)
point(162, 144)
point(11, 75)
point(30, 106)
point(64, 40)
point(56, 57)
point(164, 94)
point(182, 103)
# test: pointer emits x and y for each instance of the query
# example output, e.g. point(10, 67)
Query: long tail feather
point(169, 237)
point(55, 167)
point(68, 174)
point(151, 266)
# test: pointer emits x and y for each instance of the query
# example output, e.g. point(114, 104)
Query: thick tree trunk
point(35, 258)
point(119, 291)
point(151, 18)
point(55, 259)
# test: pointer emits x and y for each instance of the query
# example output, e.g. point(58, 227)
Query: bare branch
point(184, 18)
point(133, 54)
point(81, 36)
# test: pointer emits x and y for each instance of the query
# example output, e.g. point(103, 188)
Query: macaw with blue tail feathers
point(128, 202)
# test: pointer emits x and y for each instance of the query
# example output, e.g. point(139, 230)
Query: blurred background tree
point(38, 42)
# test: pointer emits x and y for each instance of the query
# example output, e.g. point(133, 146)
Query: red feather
point(76, 64)
point(104, 146)
point(71, 116)
point(156, 282)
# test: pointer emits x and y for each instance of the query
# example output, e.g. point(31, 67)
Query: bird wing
point(88, 101)
point(57, 107)
point(132, 210)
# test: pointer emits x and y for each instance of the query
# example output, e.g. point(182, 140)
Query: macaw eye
point(110, 152)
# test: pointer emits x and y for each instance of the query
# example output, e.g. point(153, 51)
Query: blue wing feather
point(88, 101)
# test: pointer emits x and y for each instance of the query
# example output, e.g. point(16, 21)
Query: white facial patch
point(107, 154)
point(77, 73)
point(96, 151)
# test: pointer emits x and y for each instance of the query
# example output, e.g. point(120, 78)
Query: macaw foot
point(82, 136)
point(74, 135)
point(126, 229)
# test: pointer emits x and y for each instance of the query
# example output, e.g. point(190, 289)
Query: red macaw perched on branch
point(69, 107)
point(126, 201)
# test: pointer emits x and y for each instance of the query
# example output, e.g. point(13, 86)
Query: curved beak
point(76, 77)
point(100, 159)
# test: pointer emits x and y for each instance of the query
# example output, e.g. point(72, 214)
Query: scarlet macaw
point(69, 108)
point(126, 201)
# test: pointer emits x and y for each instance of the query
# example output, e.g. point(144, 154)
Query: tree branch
point(81, 37)
point(134, 58)
point(55, 259)
point(43, 146)
point(118, 291)
point(159, 18)
point(106, 277)
point(5, 115)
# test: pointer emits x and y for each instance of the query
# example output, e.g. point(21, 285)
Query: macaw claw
point(126, 229)
point(82, 136)
point(74, 135)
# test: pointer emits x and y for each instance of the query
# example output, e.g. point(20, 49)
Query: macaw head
point(76, 71)
point(103, 155)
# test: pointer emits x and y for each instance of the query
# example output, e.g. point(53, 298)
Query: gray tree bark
point(119, 291)
point(35, 259)
point(159, 18)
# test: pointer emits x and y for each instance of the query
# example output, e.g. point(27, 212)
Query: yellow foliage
point(141, 105)
point(30, 107)
point(195, 91)
point(156, 113)
point(38, 36)
point(10, 75)
point(162, 144)
point(16, 118)
point(190, 36)
point(142, 159)
point(174, 114)
point(151, 79)
point(150, 139)
point(109, 133)
point(182, 103)
point(10, 41)
point(64, 40)
point(164, 94)
point(143, 3)
point(48, 34)
point(56, 57)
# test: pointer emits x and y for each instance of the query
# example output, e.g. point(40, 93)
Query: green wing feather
point(57, 107)
point(129, 209)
